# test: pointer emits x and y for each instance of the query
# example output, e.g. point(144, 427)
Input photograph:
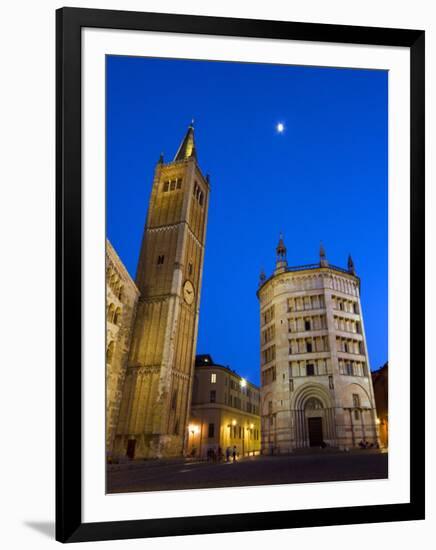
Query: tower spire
point(281, 261)
point(351, 268)
point(187, 147)
point(322, 256)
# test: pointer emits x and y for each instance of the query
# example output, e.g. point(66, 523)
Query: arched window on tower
point(110, 351)
point(113, 281)
point(117, 316)
point(110, 313)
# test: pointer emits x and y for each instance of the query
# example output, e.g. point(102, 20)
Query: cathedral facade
point(121, 301)
point(316, 386)
point(157, 385)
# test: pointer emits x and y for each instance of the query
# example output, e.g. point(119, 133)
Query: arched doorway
point(314, 413)
point(313, 417)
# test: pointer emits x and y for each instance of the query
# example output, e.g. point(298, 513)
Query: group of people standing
point(364, 444)
point(231, 454)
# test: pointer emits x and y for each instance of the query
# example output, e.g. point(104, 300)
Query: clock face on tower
point(188, 292)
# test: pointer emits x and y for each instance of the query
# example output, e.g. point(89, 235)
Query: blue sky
point(323, 179)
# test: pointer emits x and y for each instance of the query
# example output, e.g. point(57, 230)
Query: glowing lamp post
point(193, 430)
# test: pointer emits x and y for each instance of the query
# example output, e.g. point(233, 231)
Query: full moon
point(280, 127)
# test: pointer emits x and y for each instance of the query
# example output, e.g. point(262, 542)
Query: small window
point(306, 325)
point(166, 186)
point(213, 378)
point(172, 185)
point(174, 400)
point(200, 198)
point(211, 430)
point(356, 414)
point(213, 396)
point(349, 369)
point(179, 183)
point(190, 268)
point(310, 369)
point(309, 347)
point(331, 385)
point(291, 385)
point(160, 259)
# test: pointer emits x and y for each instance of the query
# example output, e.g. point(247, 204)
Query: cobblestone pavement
point(259, 470)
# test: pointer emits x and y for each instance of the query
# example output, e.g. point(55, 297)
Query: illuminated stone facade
point(316, 386)
point(155, 406)
point(224, 412)
point(121, 299)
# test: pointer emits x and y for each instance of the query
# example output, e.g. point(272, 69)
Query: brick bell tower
point(157, 392)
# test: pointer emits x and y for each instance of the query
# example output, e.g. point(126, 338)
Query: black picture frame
point(69, 525)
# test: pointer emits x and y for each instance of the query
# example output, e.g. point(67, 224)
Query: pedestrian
point(234, 453)
point(220, 454)
point(227, 454)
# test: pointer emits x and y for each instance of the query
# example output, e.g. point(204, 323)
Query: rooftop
point(206, 360)
point(308, 267)
point(282, 264)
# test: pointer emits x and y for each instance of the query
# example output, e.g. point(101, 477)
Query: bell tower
point(158, 386)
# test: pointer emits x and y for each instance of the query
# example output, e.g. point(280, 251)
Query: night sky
point(324, 178)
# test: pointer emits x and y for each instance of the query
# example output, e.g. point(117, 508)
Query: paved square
point(161, 475)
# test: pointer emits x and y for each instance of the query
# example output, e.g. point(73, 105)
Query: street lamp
point(193, 429)
point(251, 438)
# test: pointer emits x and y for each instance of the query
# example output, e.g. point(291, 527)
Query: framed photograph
point(240, 275)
